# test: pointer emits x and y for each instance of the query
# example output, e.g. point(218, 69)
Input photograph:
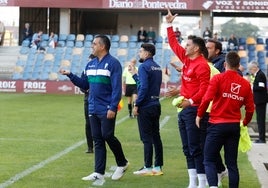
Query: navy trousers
point(222, 135)
point(103, 131)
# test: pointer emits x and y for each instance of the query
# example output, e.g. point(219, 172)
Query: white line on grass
point(47, 161)
point(164, 121)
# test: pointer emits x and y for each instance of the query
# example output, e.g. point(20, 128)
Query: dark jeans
point(148, 121)
point(191, 137)
point(222, 135)
point(103, 131)
point(261, 119)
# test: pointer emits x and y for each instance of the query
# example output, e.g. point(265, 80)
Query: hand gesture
point(170, 17)
point(132, 69)
point(64, 72)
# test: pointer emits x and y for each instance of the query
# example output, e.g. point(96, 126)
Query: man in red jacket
point(228, 92)
point(194, 82)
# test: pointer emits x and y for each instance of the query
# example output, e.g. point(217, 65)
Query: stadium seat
point(71, 37)
point(26, 75)
point(50, 50)
point(87, 44)
point(69, 51)
point(62, 37)
point(242, 41)
point(132, 45)
point(115, 38)
point(61, 43)
point(79, 44)
point(251, 40)
point(251, 47)
point(77, 51)
point(121, 52)
point(260, 47)
point(53, 76)
point(114, 44)
point(89, 37)
point(260, 54)
point(123, 44)
point(80, 37)
point(123, 38)
point(16, 76)
point(25, 43)
point(45, 37)
point(24, 50)
point(260, 41)
point(158, 45)
point(70, 44)
point(159, 39)
point(44, 44)
point(242, 53)
point(133, 38)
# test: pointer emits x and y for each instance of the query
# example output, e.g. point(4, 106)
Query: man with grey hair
point(259, 86)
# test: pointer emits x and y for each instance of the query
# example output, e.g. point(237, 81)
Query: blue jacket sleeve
point(116, 83)
point(79, 82)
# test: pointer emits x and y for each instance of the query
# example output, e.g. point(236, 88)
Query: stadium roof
point(238, 5)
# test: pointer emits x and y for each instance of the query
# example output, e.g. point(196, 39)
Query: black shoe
point(260, 141)
point(89, 150)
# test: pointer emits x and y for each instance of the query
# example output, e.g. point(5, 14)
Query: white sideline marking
point(164, 121)
point(40, 165)
point(47, 161)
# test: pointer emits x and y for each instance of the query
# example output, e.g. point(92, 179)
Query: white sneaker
point(94, 176)
point(119, 172)
point(157, 171)
point(144, 172)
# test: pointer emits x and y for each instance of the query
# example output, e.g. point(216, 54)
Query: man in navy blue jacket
point(104, 78)
point(147, 108)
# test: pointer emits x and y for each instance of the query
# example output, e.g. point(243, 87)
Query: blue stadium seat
point(87, 44)
point(78, 44)
point(45, 37)
point(71, 37)
point(16, 76)
point(159, 39)
point(115, 38)
point(24, 50)
point(70, 44)
point(61, 43)
point(44, 76)
point(260, 54)
point(62, 37)
point(114, 44)
point(26, 75)
point(35, 76)
point(89, 37)
point(25, 43)
point(44, 44)
point(50, 50)
point(132, 45)
point(260, 41)
point(158, 45)
point(251, 47)
point(133, 38)
point(123, 44)
point(242, 41)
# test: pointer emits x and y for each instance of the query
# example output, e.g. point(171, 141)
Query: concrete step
point(8, 58)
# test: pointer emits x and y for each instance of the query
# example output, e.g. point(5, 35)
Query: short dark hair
point(149, 48)
point(105, 41)
point(200, 42)
point(232, 59)
point(218, 44)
